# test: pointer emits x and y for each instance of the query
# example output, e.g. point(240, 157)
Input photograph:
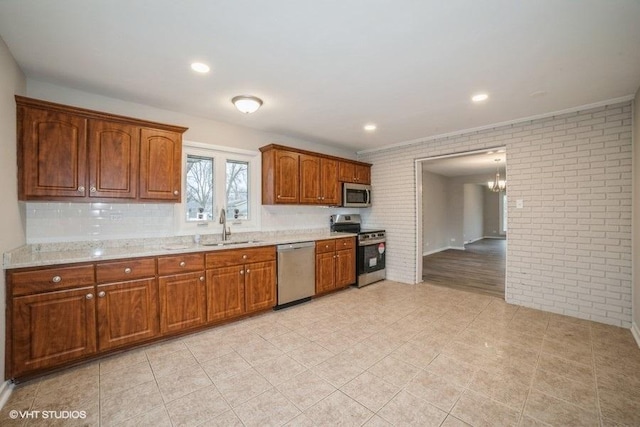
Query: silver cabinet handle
point(81, 189)
point(92, 189)
point(56, 279)
point(244, 257)
point(279, 196)
point(89, 296)
point(127, 270)
point(182, 263)
point(327, 246)
point(248, 271)
point(202, 278)
point(101, 294)
point(176, 192)
point(241, 271)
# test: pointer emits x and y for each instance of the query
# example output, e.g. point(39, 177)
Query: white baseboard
point(502, 237)
point(635, 331)
point(473, 240)
point(5, 392)
point(435, 251)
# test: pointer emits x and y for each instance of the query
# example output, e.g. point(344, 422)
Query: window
point(216, 178)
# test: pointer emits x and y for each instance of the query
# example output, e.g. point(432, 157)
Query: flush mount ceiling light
point(370, 127)
point(497, 184)
point(246, 104)
point(199, 67)
point(480, 97)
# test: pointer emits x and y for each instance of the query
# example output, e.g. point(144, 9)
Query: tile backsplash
point(69, 222)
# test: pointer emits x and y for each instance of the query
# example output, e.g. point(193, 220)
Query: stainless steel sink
point(232, 242)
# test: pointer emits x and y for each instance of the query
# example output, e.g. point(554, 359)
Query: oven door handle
point(372, 242)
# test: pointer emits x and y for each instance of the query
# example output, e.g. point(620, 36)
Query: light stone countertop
point(43, 254)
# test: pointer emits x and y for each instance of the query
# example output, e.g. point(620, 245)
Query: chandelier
point(497, 184)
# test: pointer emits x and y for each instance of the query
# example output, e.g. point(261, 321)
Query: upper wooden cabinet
point(292, 176)
point(68, 153)
point(354, 172)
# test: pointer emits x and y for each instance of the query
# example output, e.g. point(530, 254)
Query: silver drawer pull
point(241, 271)
point(244, 257)
point(81, 189)
point(182, 263)
point(127, 270)
point(93, 189)
point(176, 192)
point(101, 294)
point(248, 271)
point(202, 278)
point(89, 296)
point(56, 279)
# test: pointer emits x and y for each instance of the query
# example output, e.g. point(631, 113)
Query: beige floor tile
point(310, 354)
point(338, 409)
point(452, 421)
point(435, 390)
point(505, 387)
point(242, 386)
point(157, 417)
point(452, 370)
point(269, 408)
point(258, 351)
point(197, 407)
point(271, 329)
point(335, 342)
point(69, 381)
point(280, 369)
point(406, 409)
point(115, 382)
point(364, 355)
point(166, 364)
point(416, 354)
point(527, 421)
point(578, 393)
point(182, 382)
point(208, 349)
point(479, 410)
point(89, 415)
point(566, 368)
point(288, 341)
point(306, 389)
point(394, 371)
point(377, 421)
point(338, 370)
point(122, 360)
point(164, 348)
point(228, 419)
point(225, 366)
point(370, 391)
point(301, 421)
point(621, 405)
point(130, 403)
point(553, 411)
point(576, 352)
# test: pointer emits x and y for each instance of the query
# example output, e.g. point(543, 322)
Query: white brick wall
point(569, 248)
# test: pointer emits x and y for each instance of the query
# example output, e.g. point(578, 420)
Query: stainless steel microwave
point(356, 195)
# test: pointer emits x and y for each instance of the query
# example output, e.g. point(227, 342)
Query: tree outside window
point(237, 190)
point(199, 188)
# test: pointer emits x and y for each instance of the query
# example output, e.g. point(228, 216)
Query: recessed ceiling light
point(370, 127)
point(199, 67)
point(480, 97)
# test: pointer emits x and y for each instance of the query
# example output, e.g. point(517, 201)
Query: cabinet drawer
point(240, 256)
point(323, 246)
point(185, 263)
point(50, 279)
point(120, 271)
point(345, 243)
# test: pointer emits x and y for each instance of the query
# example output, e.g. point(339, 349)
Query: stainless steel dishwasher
point(296, 273)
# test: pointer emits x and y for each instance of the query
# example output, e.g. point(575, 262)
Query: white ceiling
point(325, 68)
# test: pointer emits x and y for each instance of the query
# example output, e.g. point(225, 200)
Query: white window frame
point(220, 154)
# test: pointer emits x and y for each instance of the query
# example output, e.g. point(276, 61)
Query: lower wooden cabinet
point(127, 313)
point(51, 329)
point(183, 303)
point(225, 293)
point(260, 286)
point(335, 264)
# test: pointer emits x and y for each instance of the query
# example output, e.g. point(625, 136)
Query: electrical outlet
point(519, 204)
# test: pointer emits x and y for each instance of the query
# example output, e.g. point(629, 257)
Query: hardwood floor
point(480, 268)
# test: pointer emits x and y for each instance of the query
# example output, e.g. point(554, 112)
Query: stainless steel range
point(371, 251)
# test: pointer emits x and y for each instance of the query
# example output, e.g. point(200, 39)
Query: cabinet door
point(114, 151)
point(325, 266)
point(347, 172)
point(160, 160)
point(182, 301)
point(363, 174)
point(52, 328)
point(345, 268)
point(287, 177)
point(52, 154)
point(127, 313)
point(225, 293)
point(260, 286)
point(310, 179)
point(329, 182)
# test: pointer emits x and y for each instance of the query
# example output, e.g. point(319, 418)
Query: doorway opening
point(462, 221)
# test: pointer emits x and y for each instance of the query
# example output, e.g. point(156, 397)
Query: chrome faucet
point(223, 221)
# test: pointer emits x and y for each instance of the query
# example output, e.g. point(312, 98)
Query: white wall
point(473, 213)
point(57, 222)
point(12, 227)
point(434, 212)
point(636, 216)
point(492, 216)
point(569, 248)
